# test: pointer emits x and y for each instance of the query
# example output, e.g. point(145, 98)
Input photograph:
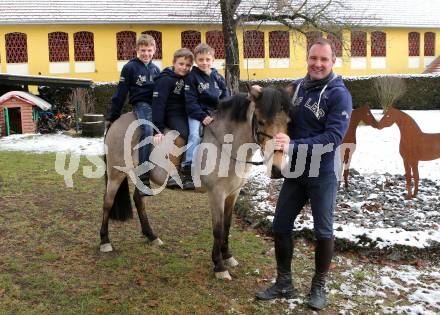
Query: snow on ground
point(376, 289)
point(52, 143)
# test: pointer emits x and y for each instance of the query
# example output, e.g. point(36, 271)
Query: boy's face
point(204, 62)
point(182, 66)
point(145, 53)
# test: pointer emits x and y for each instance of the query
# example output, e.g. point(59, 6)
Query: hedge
point(423, 92)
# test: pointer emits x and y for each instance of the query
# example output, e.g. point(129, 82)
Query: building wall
point(106, 69)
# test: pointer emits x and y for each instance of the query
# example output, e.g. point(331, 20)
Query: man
point(320, 117)
point(137, 81)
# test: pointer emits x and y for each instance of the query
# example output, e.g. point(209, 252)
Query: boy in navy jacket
point(169, 99)
point(204, 87)
point(137, 81)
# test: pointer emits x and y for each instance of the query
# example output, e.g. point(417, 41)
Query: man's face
point(182, 66)
point(204, 62)
point(146, 53)
point(320, 61)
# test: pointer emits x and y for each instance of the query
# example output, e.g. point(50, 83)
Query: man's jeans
point(143, 111)
point(295, 192)
point(193, 141)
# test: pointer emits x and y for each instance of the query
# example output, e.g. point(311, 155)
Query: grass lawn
point(50, 261)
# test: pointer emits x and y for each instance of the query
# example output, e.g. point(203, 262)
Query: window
point(190, 39)
point(336, 39)
point(158, 39)
point(84, 46)
point(126, 45)
point(279, 44)
point(58, 47)
point(253, 44)
point(215, 40)
point(429, 44)
point(414, 44)
point(16, 48)
point(311, 37)
point(358, 44)
point(378, 44)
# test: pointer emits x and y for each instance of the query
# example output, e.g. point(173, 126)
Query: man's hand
point(207, 120)
point(282, 142)
point(158, 138)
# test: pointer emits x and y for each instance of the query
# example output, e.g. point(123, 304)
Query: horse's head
point(367, 117)
point(388, 118)
point(271, 116)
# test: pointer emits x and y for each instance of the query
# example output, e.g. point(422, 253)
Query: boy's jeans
point(143, 111)
point(193, 141)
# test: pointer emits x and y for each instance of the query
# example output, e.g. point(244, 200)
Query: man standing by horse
point(137, 81)
point(321, 109)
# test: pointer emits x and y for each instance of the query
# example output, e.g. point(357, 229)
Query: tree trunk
point(232, 55)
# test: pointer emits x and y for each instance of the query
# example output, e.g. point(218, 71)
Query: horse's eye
point(261, 123)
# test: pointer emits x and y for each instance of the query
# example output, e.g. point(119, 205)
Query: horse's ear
point(254, 92)
point(291, 88)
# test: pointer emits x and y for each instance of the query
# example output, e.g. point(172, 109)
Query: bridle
point(256, 134)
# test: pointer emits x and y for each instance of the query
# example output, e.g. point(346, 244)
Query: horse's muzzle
point(275, 172)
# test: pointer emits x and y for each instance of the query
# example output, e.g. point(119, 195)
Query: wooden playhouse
point(18, 112)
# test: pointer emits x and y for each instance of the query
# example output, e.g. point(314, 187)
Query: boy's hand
point(207, 120)
point(158, 138)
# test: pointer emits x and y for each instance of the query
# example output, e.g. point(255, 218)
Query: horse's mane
point(236, 105)
point(270, 102)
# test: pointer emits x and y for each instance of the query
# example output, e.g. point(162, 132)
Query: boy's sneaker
point(172, 184)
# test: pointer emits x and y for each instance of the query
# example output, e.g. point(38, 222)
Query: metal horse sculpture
point(415, 145)
point(252, 118)
point(348, 147)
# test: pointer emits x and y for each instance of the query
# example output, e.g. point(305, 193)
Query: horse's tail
point(122, 209)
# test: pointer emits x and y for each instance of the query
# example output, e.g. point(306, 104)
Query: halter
point(256, 133)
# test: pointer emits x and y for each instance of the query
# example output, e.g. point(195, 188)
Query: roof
point(19, 79)
point(381, 13)
point(26, 97)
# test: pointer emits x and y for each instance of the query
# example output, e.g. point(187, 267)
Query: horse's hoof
point(231, 262)
point(106, 248)
point(223, 275)
point(157, 242)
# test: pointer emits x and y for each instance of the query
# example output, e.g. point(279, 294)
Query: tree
point(329, 16)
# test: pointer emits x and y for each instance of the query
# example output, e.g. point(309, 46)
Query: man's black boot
point(283, 287)
point(145, 178)
point(187, 180)
point(323, 258)
point(318, 299)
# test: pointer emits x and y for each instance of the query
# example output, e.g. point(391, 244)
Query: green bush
point(423, 91)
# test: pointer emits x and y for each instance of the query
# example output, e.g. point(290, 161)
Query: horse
point(252, 118)
point(348, 147)
point(415, 145)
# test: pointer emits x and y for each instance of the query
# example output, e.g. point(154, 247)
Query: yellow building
point(94, 39)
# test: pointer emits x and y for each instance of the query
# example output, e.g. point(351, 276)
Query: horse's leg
point(217, 202)
point(408, 178)
point(415, 172)
point(109, 198)
point(229, 208)
point(143, 218)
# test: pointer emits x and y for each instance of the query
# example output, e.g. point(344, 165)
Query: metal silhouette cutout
point(349, 143)
point(415, 145)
